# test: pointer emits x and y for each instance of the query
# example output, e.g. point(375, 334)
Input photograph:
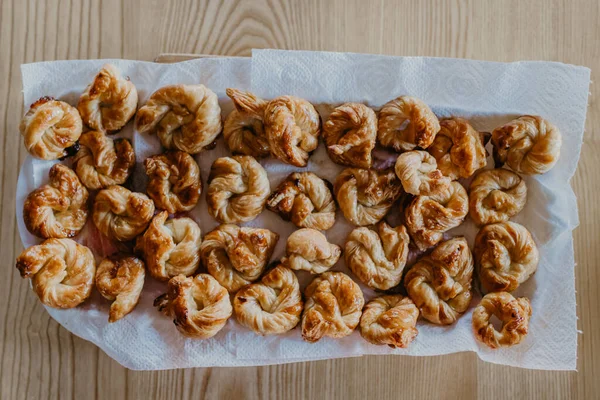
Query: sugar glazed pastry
point(350, 134)
point(418, 172)
point(109, 102)
point(378, 257)
point(61, 271)
point(174, 182)
point(333, 307)
point(429, 217)
point(440, 284)
point(308, 250)
point(102, 161)
point(271, 306)
point(120, 278)
point(390, 320)
point(366, 195)
point(199, 306)
point(406, 123)
point(237, 256)
point(121, 214)
point(505, 256)
point(244, 131)
point(185, 117)
point(305, 199)
point(238, 188)
point(528, 145)
point(514, 314)
point(50, 128)
point(495, 196)
point(59, 208)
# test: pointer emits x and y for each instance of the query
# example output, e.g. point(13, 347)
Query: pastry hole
point(496, 323)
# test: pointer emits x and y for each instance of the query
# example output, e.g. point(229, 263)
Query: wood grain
point(40, 359)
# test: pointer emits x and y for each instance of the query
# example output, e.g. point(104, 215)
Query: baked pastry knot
point(199, 306)
point(238, 188)
point(405, 123)
point(495, 196)
point(174, 182)
point(61, 271)
point(185, 117)
point(237, 256)
point(505, 256)
point(109, 102)
point(514, 314)
point(365, 195)
point(528, 145)
point(391, 320)
point(429, 217)
point(333, 307)
point(271, 306)
point(59, 208)
point(121, 214)
point(49, 128)
point(350, 134)
point(305, 199)
point(120, 278)
point(308, 250)
point(244, 131)
point(377, 258)
point(440, 283)
point(418, 172)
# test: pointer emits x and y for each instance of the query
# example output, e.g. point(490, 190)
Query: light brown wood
point(40, 359)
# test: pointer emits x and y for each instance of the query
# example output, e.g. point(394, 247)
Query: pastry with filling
point(496, 196)
point(390, 320)
point(244, 130)
point(308, 250)
point(418, 172)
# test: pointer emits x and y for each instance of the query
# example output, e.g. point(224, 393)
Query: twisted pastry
point(495, 196)
point(390, 320)
point(418, 172)
point(308, 250)
point(243, 130)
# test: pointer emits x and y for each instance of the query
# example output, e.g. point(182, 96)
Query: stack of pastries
point(417, 269)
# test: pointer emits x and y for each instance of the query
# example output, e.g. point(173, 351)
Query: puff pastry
point(244, 131)
point(308, 250)
point(61, 271)
point(390, 320)
point(50, 128)
point(185, 117)
point(528, 145)
point(174, 182)
point(306, 200)
point(495, 196)
point(237, 256)
point(505, 256)
point(58, 209)
point(514, 314)
point(109, 102)
point(418, 172)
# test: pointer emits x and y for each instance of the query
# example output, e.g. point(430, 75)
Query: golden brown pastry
point(405, 123)
point(174, 182)
point(271, 306)
point(238, 188)
point(109, 102)
point(185, 117)
point(292, 126)
point(199, 306)
point(59, 208)
point(366, 195)
point(429, 217)
point(418, 172)
point(528, 145)
point(308, 250)
point(306, 200)
point(505, 256)
point(170, 247)
point(102, 161)
point(120, 279)
point(377, 258)
point(237, 256)
point(333, 307)
point(495, 196)
point(440, 283)
point(244, 131)
point(121, 214)
point(514, 314)
point(350, 134)
point(49, 128)
point(61, 271)
point(390, 320)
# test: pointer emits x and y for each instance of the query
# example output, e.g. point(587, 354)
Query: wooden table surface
point(40, 359)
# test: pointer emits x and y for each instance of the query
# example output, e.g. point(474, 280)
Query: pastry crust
point(495, 196)
point(391, 320)
point(61, 271)
point(308, 250)
point(244, 131)
point(418, 172)
point(59, 208)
